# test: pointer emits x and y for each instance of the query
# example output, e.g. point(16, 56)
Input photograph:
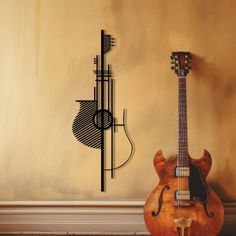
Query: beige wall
point(46, 51)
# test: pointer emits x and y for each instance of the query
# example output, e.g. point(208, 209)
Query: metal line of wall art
point(96, 117)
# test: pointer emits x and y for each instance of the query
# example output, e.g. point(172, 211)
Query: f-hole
point(209, 214)
point(160, 201)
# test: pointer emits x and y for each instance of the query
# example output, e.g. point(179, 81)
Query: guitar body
point(206, 213)
point(83, 126)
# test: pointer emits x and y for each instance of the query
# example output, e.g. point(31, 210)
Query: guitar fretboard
point(182, 158)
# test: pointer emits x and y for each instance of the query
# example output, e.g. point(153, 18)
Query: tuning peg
point(112, 41)
point(171, 57)
point(172, 68)
point(95, 60)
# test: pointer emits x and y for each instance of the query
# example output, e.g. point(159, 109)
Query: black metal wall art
point(96, 117)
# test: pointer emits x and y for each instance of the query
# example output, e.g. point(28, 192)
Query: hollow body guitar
point(182, 204)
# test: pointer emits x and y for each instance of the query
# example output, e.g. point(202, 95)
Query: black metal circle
point(103, 119)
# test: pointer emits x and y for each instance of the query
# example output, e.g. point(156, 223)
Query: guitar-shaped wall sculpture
point(183, 204)
point(96, 117)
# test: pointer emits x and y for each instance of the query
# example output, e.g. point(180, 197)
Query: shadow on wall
point(221, 87)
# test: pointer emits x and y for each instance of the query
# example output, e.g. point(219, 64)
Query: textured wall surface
point(46, 52)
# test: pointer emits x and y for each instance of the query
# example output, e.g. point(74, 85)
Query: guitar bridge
point(183, 225)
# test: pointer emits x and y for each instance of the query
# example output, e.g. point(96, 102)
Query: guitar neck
point(103, 76)
point(182, 159)
point(102, 71)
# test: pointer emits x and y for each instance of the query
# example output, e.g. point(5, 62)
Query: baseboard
point(84, 218)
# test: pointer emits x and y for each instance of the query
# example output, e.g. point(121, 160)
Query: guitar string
point(183, 138)
point(180, 139)
point(178, 163)
point(182, 154)
point(183, 134)
point(179, 159)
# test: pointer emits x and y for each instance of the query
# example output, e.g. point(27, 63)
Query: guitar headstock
point(108, 42)
point(180, 63)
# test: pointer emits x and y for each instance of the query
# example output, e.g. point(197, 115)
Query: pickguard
point(197, 186)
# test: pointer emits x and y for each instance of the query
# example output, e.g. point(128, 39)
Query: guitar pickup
point(181, 171)
point(182, 195)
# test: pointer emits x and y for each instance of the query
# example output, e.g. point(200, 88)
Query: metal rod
point(102, 118)
point(97, 79)
point(108, 88)
point(112, 133)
